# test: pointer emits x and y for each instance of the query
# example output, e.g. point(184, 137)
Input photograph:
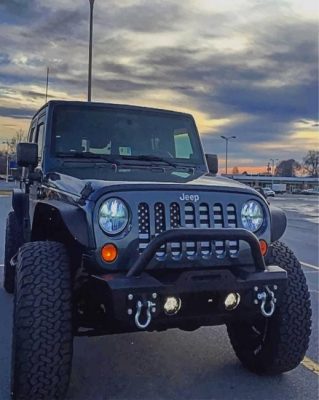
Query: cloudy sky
point(242, 67)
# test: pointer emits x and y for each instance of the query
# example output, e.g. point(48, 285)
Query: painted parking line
point(309, 265)
point(311, 365)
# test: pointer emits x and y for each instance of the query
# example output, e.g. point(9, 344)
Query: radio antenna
point(47, 85)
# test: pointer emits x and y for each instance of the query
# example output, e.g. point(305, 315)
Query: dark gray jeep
point(121, 225)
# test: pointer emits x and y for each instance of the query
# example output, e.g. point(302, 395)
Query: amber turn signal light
point(263, 246)
point(109, 252)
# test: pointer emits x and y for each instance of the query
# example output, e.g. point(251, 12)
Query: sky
point(244, 68)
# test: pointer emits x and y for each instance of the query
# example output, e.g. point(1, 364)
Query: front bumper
point(137, 300)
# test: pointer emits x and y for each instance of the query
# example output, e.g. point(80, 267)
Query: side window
point(183, 146)
point(31, 133)
point(39, 138)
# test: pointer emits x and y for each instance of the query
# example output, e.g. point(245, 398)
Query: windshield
point(127, 135)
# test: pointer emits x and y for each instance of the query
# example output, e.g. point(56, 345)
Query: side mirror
point(212, 163)
point(27, 155)
point(261, 191)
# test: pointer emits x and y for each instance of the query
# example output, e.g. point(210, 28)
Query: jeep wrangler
point(121, 224)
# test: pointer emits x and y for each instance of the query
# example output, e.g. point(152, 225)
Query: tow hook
point(139, 308)
point(268, 302)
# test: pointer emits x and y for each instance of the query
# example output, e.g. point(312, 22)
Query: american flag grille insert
point(160, 225)
point(144, 233)
point(190, 223)
point(153, 220)
point(175, 222)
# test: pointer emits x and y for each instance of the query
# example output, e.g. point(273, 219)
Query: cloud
point(17, 7)
point(250, 64)
point(16, 112)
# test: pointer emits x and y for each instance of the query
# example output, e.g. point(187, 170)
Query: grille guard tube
point(196, 234)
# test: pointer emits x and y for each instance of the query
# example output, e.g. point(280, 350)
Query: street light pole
point(90, 50)
point(227, 138)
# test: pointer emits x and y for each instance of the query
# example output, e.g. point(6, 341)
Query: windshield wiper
point(145, 157)
point(116, 159)
point(88, 155)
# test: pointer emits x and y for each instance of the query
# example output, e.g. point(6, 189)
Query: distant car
point(269, 192)
point(310, 192)
point(260, 190)
point(296, 191)
point(10, 178)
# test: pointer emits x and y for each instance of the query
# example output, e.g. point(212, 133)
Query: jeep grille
point(155, 219)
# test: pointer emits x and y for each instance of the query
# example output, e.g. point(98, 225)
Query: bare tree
point(287, 168)
point(311, 162)
point(19, 136)
point(235, 171)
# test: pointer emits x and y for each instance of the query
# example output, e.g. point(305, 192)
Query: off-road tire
point(277, 344)
point(13, 240)
point(42, 324)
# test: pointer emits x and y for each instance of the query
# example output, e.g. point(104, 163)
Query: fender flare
point(19, 204)
point(72, 216)
point(278, 223)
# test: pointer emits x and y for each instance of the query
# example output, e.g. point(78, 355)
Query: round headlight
point(252, 215)
point(113, 216)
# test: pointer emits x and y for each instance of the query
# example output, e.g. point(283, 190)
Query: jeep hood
point(91, 189)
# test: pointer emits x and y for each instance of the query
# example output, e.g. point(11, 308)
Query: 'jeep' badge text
point(189, 197)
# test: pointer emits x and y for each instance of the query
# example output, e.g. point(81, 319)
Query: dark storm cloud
point(60, 24)
point(4, 59)
point(120, 85)
point(171, 58)
point(233, 84)
point(115, 67)
point(17, 7)
point(285, 103)
point(10, 79)
point(16, 112)
point(155, 16)
point(251, 136)
point(34, 95)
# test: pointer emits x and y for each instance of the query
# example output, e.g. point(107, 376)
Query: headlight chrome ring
point(252, 215)
point(113, 216)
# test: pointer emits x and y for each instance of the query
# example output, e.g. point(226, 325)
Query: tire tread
point(289, 329)
point(42, 333)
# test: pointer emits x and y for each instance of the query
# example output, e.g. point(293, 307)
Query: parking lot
point(180, 365)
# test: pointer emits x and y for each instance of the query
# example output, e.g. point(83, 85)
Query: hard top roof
point(53, 103)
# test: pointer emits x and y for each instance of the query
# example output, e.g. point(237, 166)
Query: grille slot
point(157, 218)
point(218, 223)
point(143, 226)
point(160, 225)
point(190, 222)
point(232, 223)
point(175, 222)
point(204, 223)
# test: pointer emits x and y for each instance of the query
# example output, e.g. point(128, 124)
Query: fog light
point(172, 305)
point(231, 301)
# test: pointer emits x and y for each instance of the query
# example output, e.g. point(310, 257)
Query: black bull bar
point(138, 297)
point(198, 235)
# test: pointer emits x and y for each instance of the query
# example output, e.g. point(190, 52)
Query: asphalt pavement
point(198, 365)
